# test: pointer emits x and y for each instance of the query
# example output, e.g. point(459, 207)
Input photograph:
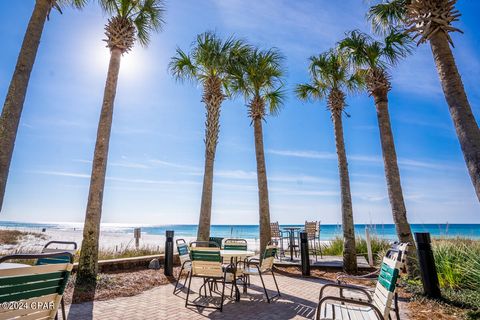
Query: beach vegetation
point(131, 21)
point(372, 59)
point(259, 78)
point(331, 78)
point(17, 90)
point(208, 64)
point(431, 21)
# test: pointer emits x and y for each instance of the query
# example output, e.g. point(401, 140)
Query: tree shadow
point(83, 300)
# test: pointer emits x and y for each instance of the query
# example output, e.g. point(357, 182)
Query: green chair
point(41, 286)
point(58, 259)
point(217, 240)
point(378, 304)
point(207, 264)
point(235, 244)
point(184, 255)
point(259, 268)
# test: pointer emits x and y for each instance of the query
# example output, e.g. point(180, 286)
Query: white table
point(11, 265)
point(236, 254)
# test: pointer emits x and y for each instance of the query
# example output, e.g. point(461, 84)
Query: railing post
point(168, 270)
point(428, 270)
point(304, 254)
point(137, 233)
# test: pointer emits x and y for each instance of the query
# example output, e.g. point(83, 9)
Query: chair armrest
point(378, 313)
point(342, 287)
point(74, 244)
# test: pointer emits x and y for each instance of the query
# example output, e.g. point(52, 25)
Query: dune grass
point(379, 247)
point(12, 237)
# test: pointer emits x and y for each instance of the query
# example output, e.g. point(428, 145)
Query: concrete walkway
point(298, 301)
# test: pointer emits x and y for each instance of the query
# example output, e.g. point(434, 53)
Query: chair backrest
point(60, 258)
point(268, 258)
point(203, 244)
point(312, 229)
point(391, 266)
point(217, 240)
point(235, 244)
point(206, 261)
point(182, 249)
point(41, 285)
point(275, 230)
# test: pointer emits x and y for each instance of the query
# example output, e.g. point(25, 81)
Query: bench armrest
point(345, 287)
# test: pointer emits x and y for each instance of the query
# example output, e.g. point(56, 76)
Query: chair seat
point(346, 312)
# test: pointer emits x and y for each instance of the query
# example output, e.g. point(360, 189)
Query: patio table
point(291, 235)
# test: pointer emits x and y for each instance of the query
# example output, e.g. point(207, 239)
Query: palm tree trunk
point(264, 214)
point(467, 128)
point(392, 174)
point(13, 106)
point(212, 97)
point(349, 252)
point(88, 264)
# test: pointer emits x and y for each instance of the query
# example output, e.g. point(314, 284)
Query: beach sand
point(109, 240)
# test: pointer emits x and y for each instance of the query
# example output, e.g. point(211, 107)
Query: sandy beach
point(109, 240)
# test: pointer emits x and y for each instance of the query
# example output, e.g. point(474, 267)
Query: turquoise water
point(328, 232)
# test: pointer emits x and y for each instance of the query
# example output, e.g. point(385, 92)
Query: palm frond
point(387, 15)
point(275, 99)
point(181, 66)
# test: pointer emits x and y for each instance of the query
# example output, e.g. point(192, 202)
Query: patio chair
point(41, 286)
point(184, 255)
point(277, 237)
point(217, 240)
point(235, 244)
point(378, 304)
point(58, 259)
point(207, 264)
point(259, 268)
point(312, 229)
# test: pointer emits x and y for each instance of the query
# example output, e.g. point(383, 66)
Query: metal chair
point(217, 240)
point(312, 228)
point(378, 304)
point(184, 255)
point(41, 284)
point(259, 268)
point(277, 237)
point(206, 264)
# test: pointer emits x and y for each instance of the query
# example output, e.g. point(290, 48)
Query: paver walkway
point(298, 301)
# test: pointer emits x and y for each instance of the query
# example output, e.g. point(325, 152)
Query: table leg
point(292, 239)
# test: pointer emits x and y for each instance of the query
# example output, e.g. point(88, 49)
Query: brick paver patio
point(298, 301)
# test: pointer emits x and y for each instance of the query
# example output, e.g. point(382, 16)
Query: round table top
point(11, 265)
point(236, 253)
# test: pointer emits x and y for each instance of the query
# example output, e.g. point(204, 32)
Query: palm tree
point(330, 78)
point(259, 78)
point(13, 106)
point(372, 59)
point(133, 20)
point(208, 64)
point(431, 20)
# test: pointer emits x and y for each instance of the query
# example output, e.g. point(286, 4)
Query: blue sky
point(156, 152)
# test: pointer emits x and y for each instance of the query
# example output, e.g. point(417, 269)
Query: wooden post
point(369, 246)
point(137, 233)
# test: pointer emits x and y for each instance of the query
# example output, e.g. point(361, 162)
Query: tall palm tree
point(330, 79)
point(208, 64)
point(132, 20)
point(13, 106)
point(431, 20)
point(259, 78)
point(372, 59)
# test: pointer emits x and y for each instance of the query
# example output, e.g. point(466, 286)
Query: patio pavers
point(298, 301)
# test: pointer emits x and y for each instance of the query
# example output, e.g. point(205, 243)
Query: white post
point(369, 247)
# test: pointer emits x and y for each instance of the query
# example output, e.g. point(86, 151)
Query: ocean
point(328, 231)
